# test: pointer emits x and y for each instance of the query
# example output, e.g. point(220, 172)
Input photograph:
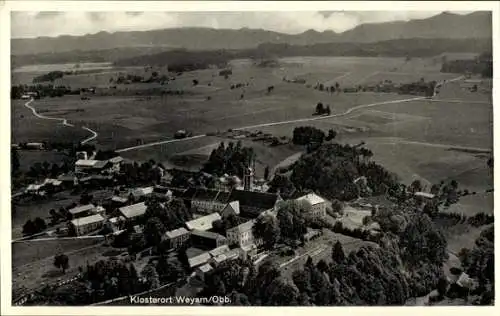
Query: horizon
point(92, 23)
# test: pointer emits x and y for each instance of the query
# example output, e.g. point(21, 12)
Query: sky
point(25, 24)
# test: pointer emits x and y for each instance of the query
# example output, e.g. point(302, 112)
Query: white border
point(5, 254)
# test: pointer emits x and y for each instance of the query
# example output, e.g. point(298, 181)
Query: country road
point(62, 120)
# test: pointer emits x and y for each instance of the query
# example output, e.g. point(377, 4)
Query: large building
point(253, 203)
point(133, 212)
point(85, 210)
point(91, 166)
point(177, 237)
point(242, 235)
point(318, 204)
point(88, 224)
point(206, 201)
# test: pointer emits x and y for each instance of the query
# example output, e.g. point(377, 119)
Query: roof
point(160, 190)
point(134, 210)
point(86, 163)
point(312, 198)
point(34, 187)
point(205, 268)
point(142, 191)
point(258, 200)
point(52, 181)
point(67, 177)
point(232, 206)
point(208, 235)
point(114, 220)
point(219, 250)
point(176, 232)
point(222, 197)
point(203, 223)
point(116, 159)
point(199, 259)
point(82, 208)
point(425, 195)
point(205, 195)
point(119, 199)
point(87, 220)
point(246, 226)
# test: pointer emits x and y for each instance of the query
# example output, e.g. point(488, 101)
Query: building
point(228, 255)
point(203, 223)
point(91, 166)
point(232, 208)
point(88, 224)
point(204, 270)
point(219, 250)
point(207, 240)
point(133, 212)
point(162, 193)
point(424, 197)
point(141, 193)
point(241, 235)
point(115, 164)
point(253, 203)
point(118, 201)
point(177, 237)
point(83, 210)
point(35, 146)
point(318, 204)
point(199, 260)
point(206, 201)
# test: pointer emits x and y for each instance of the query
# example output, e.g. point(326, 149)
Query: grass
point(28, 158)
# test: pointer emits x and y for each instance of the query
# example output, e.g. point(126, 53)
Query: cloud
point(33, 24)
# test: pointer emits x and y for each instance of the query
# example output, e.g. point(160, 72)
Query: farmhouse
point(90, 166)
point(318, 204)
point(85, 210)
point(207, 240)
point(252, 203)
point(85, 225)
point(177, 237)
point(203, 223)
point(133, 212)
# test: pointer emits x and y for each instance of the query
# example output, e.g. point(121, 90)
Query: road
point(444, 146)
point(62, 120)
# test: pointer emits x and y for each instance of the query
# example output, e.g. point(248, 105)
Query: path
point(444, 146)
point(63, 121)
point(25, 239)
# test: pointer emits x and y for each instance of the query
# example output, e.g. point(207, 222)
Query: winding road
point(62, 120)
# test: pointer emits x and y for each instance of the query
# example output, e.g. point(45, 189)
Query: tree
point(442, 286)
point(61, 261)
point(195, 82)
point(338, 255)
point(327, 110)
point(153, 231)
point(319, 108)
point(267, 228)
point(331, 135)
point(150, 276)
point(266, 173)
point(14, 160)
point(29, 228)
point(291, 219)
point(416, 186)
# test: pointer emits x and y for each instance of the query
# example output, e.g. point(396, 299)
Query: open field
point(28, 158)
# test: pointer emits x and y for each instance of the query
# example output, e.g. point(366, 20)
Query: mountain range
point(444, 25)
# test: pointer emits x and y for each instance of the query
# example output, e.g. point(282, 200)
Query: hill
point(445, 25)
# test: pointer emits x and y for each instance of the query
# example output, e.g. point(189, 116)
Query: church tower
point(248, 179)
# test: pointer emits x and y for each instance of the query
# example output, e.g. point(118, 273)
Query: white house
point(203, 223)
point(242, 235)
point(318, 204)
point(85, 225)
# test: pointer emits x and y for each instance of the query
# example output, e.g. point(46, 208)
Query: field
point(411, 138)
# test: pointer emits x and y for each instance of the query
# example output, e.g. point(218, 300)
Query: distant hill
point(445, 25)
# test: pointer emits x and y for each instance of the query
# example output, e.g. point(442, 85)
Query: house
point(55, 184)
point(133, 212)
point(229, 255)
point(89, 166)
point(141, 193)
point(115, 164)
point(207, 240)
point(116, 222)
point(35, 146)
point(203, 270)
point(203, 223)
point(162, 193)
point(242, 235)
point(68, 180)
point(424, 196)
point(253, 203)
point(199, 260)
point(35, 189)
point(219, 250)
point(118, 201)
point(232, 208)
point(177, 237)
point(312, 234)
point(85, 225)
point(318, 204)
point(83, 210)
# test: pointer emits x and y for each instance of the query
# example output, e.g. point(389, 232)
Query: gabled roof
point(87, 220)
point(205, 268)
point(119, 199)
point(233, 207)
point(312, 198)
point(205, 195)
point(142, 191)
point(219, 250)
point(244, 227)
point(134, 210)
point(85, 163)
point(203, 223)
point(254, 199)
point(425, 195)
point(115, 160)
point(81, 209)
